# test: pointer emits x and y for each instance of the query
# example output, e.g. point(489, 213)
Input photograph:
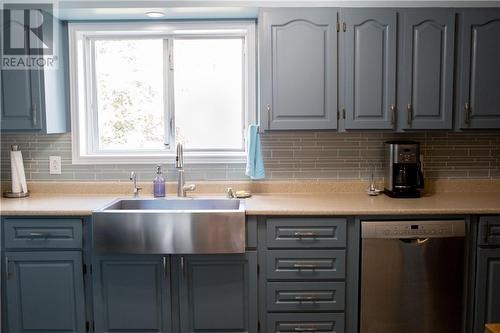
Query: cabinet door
point(20, 90)
point(218, 293)
point(45, 292)
point(487, 288)
point(132, 294)
point(298, 55)
point(479, 105)
point(426, 68)
point(368, 65)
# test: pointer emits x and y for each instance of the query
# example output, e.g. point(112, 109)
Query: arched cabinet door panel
point(479, 102)
point(426, 69)
point(368, 68)
point(298, 73)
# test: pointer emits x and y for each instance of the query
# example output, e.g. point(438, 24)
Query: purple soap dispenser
point(159, 183)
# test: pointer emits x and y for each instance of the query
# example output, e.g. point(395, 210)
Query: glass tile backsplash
point(288, 155)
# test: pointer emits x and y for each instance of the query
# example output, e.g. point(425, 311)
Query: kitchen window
point(138, 89)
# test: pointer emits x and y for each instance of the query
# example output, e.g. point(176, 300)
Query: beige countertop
point(282, 204)
point(362, 204)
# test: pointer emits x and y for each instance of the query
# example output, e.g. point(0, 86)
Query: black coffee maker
point(403, 172)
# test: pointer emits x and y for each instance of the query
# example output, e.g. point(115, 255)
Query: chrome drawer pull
point(308, 266)
point(306, 329)
point(38, 235)
point(306, 298)
point(305, 234)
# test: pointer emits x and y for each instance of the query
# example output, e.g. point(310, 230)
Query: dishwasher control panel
point(412, 229)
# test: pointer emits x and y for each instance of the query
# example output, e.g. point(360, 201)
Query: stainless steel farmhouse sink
point(168, 226)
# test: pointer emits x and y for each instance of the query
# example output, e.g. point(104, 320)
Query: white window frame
point(83, 131)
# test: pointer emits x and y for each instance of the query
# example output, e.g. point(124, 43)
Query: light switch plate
point(55, 165)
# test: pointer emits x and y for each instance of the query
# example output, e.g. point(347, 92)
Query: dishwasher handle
point(413, 229)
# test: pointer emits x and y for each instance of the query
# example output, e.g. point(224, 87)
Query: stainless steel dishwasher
point(412, 275)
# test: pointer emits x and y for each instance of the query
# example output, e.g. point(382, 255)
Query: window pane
point(129, 84)
point(208, 84)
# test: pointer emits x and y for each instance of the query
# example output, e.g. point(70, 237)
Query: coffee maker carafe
point(403, 175)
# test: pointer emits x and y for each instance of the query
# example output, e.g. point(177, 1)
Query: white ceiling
point(219, 9)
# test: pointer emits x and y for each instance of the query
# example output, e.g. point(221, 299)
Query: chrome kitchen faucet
point(182, 188)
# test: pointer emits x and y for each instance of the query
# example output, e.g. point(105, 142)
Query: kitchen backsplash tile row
point(287, 155)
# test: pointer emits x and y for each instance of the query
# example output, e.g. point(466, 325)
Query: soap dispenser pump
point(159, 183)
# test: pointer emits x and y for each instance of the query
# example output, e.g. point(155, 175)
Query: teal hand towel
point(255, 162)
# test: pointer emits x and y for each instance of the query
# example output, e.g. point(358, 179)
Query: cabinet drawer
point(306, 232)
point(43, 233)
point(489, 230)
point(305, 296)
point(305, 322)
point(305, 265)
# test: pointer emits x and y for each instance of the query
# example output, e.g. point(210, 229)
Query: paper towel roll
point(17, 171)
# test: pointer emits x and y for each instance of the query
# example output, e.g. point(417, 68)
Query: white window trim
point(80, 31)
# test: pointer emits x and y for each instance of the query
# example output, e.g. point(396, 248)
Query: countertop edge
point(85, 213)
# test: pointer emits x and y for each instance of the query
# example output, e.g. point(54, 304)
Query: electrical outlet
point(55, 165)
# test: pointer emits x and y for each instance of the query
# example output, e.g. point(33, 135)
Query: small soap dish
point(242, 194)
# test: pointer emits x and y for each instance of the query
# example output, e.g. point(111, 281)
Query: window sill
point(189, 158)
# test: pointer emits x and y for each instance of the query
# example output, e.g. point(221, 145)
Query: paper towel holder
point(10, 194)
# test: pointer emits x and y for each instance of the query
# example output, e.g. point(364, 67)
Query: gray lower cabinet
point(44, 292)
point(487, 308)
point(218, 293)
point(132, 294)
point(426, 44)
point(479, 102)
point(487, 291)
point(298, 68)
point(368, 68)
point(302, 285)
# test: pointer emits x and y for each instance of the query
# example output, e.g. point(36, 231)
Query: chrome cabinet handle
point(7, 267)
point(269, 115)
point(393, 114)
point(33, 114)
point(183, 268)
point(165, 265)
point(467, 113)
point(306, 298)
point(305, 234)
point(305, 329)
point(409, 114)
point(39, 235)
point(308, 266)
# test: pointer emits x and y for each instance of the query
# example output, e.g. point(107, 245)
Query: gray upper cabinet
point(218, 293)
point(45, 292)
point(479, 102)
point(132, 294)
point(35, 99)
point(368, 68)
point(425, 89)
point(298, 68)
point(19, 100)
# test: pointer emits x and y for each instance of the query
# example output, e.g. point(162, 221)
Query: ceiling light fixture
point(155, 14)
